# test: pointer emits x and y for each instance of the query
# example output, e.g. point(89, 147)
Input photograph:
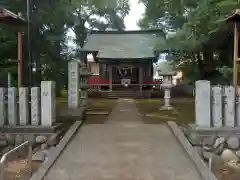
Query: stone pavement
point(124, 149)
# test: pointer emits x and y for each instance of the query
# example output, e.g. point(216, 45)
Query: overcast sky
point(135, 14)
point(136, 11)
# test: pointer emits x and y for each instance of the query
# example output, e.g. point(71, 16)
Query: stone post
point(48, 106)
point(83, 83)
point(166, 86)
point(12, 106)
point(203, 104)
point(3, 107)
point(84, 98)
point(35, 106)
point(23, 106)
point(73, 85)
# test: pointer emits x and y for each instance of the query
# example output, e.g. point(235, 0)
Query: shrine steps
point(126, 94)
point(120, 94)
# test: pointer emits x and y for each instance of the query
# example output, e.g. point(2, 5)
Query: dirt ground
point(17, 168)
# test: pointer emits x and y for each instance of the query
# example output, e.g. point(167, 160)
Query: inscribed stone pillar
point(48, 106)
point(12, 106)
point(238, 109)
point(110, 77)
point(3, 108)
point(35, 106)
point(217, 113)
point(203, 103)
point(229, 108)
point(73, 84)
point(23, 106)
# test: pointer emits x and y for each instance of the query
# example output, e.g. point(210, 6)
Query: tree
point(51, 21)
point(101, 16)
point(194, 23)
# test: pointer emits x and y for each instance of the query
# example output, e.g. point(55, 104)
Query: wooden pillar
point(110, 77)
point(140, 77)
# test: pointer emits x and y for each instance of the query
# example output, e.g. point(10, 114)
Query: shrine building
point(123, 60)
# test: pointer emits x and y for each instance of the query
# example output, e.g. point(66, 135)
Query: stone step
point(115, 95)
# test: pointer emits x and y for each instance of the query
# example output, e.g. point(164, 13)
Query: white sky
point(135, 14)
point(136, 11)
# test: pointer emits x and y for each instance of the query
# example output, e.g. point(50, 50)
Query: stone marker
point(12, 106)
point(48, 106)
point(229, 108)
point(203, 103)
point(217, 106)
point(238, 109)
point(3, 107)
point(35, 106)
point(73, 84)
point(23, 106)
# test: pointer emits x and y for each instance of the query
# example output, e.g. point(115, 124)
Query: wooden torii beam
point(12, 19)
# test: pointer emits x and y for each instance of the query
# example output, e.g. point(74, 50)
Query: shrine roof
point(124, 44)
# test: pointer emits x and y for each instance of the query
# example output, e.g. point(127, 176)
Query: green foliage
point(51, 22)
point(192, 23)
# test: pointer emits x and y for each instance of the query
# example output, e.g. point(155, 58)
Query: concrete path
point(124, 149)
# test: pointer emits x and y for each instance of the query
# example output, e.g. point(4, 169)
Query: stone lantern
point(83, 80)
point(167, 86)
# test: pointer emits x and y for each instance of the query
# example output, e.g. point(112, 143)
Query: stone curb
point(192, 153)
point(55, 153)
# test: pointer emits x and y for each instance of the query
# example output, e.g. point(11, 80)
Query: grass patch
point(183, 113)
point(99, 105)
point(95, 119)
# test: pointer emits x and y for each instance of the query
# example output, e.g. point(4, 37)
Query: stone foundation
point(223, 142)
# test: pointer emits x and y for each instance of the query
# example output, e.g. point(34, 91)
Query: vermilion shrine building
point(124, 58)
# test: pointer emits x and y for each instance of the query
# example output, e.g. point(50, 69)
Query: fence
point(19, 107)
point(215, 106)
point(5, 156)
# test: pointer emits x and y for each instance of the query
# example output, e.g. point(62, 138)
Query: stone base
point(166, 108)
point(222, 142)
point(30, 129)
point(214, 130)
point(97, 113)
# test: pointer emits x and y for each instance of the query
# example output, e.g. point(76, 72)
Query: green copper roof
point(124, 44)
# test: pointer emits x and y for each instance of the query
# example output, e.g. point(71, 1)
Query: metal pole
point(19, 56)
point(235, 64)
point(2, 172)
point(29, 43)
